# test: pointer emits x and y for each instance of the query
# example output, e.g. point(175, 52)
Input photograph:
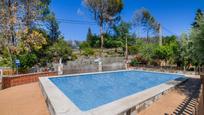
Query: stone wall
point(10, 81)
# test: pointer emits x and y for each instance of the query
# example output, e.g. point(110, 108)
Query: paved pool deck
point(28, 100)
point(23, 100)
point(182, 100)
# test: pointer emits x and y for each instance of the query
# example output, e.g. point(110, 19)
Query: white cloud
point(80, 12)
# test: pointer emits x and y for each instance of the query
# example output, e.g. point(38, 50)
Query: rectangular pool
point(89, 91)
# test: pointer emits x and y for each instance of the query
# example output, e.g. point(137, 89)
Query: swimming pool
point(90, 91)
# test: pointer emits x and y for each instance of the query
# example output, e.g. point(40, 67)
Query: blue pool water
point(93, 90)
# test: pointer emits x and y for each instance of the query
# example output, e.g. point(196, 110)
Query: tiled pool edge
point(146, 103)
point(59, 104)
point(132, 103)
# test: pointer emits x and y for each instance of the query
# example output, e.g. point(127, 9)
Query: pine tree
point(89, 36)
point(197, 37)
point(199, 15)
point(104, 12)
point(53, 27)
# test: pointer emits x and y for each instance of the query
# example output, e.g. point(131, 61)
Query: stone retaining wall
point(15, 80)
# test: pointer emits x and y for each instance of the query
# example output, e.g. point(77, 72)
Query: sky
point(176, 16)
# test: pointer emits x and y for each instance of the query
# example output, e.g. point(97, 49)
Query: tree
point(89, 36)
point(27, 61)
point(185, 52)
point(30, 49)
point(25, 26)
point(30, 41)
point(163, 52)
point(4, 60)
point(104, 11)
point(8, 23)
point(59, 49)
point(144, 19)
point(122, 31)
point(18, 16)
point(147, 52)
point(34, 11)
point(197, 37)
point(199, 15)
point(53, 27)
point(113, 43)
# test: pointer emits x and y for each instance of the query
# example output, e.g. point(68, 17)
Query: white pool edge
point(59, 104)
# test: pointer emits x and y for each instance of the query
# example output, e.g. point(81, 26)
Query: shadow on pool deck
point(192, 91)
point(181, 101)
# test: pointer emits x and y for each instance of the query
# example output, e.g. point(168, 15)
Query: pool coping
point(59, 104)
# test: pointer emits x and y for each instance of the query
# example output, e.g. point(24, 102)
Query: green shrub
point(147, 51)
point(163, 52)
point(59, 49)
point(84, 45)
point(134, 62)
point(74, 57)
point(88, 52)
point(27, 61)
point(132, 50)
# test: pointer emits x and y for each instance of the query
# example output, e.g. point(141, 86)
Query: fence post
point(1, 72)
point(202, 83)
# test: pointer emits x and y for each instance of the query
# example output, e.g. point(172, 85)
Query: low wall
point(15, 80)
point(73, 69)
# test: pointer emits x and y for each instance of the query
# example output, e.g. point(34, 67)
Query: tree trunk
point(28, 14)
point(102, 40)
point(126, 52)
point(147, 36)
point(11, 23)
point(160, 35)
point(10, 56)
